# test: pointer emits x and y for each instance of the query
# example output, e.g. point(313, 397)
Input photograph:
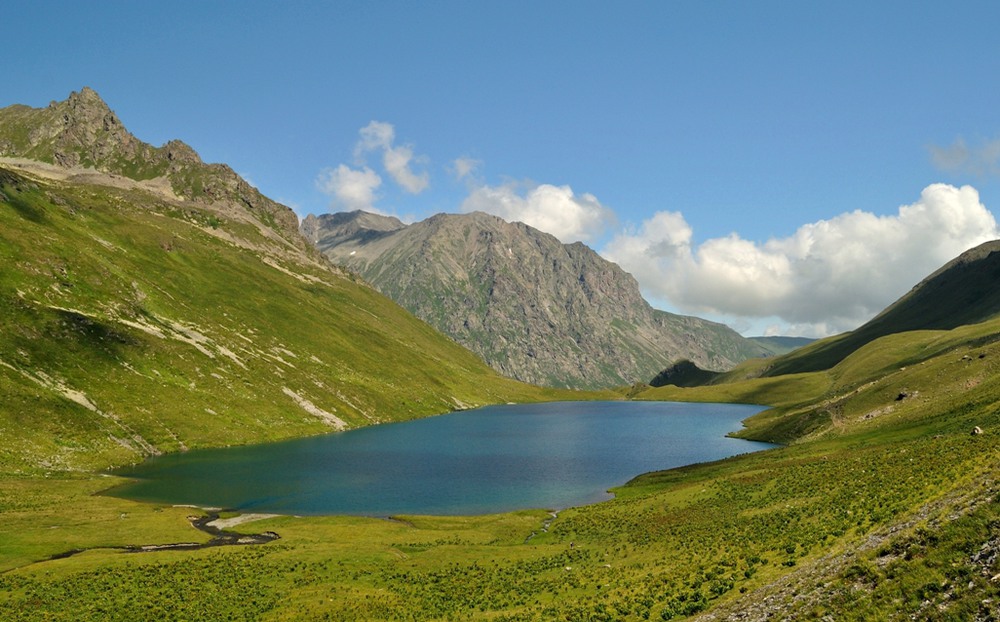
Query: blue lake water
point(492, 459)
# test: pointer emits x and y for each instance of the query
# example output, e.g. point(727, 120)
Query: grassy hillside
point(132, 325)
point(962, 292)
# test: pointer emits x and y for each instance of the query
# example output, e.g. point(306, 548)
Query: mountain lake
point(491, 459)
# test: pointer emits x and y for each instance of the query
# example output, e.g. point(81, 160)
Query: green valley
point(142, 315)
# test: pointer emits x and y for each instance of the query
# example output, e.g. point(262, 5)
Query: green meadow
point(131, 324)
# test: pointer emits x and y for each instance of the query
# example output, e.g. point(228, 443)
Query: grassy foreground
point(885, 509)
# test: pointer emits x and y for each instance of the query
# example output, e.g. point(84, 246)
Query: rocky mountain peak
point(346, 225)
point(87, 100)
point(179, 151)
point(83, 131)
point(535, 309)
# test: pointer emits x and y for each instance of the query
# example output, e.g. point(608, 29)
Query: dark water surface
point(492, 459)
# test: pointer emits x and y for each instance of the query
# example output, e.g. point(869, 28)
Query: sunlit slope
point(131, 324)
point(965, 291)
point(893, 375)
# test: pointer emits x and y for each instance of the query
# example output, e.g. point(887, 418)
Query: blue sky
point(785, 167)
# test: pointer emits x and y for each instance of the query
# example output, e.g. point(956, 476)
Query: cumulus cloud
point(553, 209)
point(351, 189)
point(354, 188)
point(829, 276)
point(379, 137)
point(982, 160)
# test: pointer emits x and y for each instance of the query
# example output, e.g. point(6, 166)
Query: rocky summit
point(83, 134)
point(535, 309)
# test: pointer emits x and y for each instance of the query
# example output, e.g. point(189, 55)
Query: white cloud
point(553, 209)
point(379, 136)
point(397, 162)
point(354, 188)
point(374, 136)
point(829, 276)
point(982, 160)
point(464, 167)
point(351, 189)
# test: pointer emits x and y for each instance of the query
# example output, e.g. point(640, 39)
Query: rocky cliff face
point(535, 309)
point(83, 132)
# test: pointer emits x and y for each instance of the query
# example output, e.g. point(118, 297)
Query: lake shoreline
point(486, 461)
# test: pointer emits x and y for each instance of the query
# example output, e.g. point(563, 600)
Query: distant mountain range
point(535, 309)
point(781, 345)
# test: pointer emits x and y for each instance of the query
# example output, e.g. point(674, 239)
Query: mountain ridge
point(534, 308)
point(959, 293)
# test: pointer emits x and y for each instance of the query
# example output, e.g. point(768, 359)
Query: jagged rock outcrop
point(535, 309)
point(83, 132)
